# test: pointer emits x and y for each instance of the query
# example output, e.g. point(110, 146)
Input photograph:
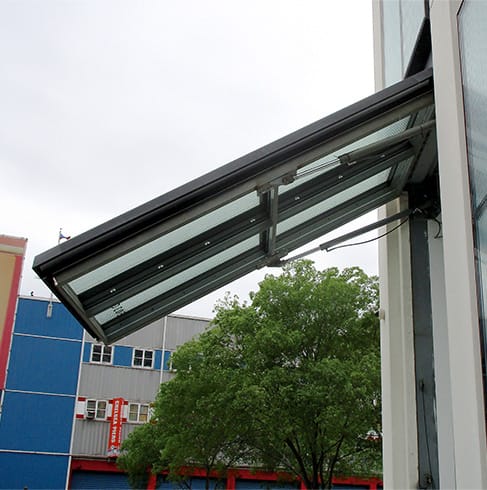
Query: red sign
point(115, 434)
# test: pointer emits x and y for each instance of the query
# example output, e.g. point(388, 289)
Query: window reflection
point(473, 36)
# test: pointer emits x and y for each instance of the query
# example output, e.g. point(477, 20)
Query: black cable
point(367, 241)
point(438, 222)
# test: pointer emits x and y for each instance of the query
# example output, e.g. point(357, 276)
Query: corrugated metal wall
point(107, 382)
point(167, 376)
point(181, 329)
point(149, 337)
point(91, 437)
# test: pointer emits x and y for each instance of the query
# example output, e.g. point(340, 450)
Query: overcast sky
point(107, 104)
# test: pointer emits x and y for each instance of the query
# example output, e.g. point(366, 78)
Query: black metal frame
point(174, 299)
point(424, 359)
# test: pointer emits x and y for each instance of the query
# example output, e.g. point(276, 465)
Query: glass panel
point(401, 23)
point(138, 354)
point(91, 405)
point(101, 410)
point(176, 280)
point(327, 163)
point(165, 242)
point(148, 358)
point(412, 15)
point(473, 37)
point(333, 201)
point(391, 28)
point(144, 411)
point(96, 353)
point(133, 412)
point(107, 354)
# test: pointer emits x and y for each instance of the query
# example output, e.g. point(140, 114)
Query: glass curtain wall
point(472, 20)
point(401, 24)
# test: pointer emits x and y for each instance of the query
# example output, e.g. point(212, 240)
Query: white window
point(96, 409)
point(169, 364)
point(143, 358)
point(101, 353)
point(138, 412)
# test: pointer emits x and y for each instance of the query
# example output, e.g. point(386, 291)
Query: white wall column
point(442, 357)
point(467, 404)
point(400, 445)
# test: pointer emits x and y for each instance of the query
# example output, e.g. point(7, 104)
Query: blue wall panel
point(97, 480)
point(36, 422)
point(157, 359)
point(32, 471)
point(122, 356)
point(45, 365)
point(31, 318)
point(87, 352)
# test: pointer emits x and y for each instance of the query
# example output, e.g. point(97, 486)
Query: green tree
point(197, 419)
point(142, 449)
point(290, 381)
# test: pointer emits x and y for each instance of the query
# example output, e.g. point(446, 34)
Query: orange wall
point(12, 251)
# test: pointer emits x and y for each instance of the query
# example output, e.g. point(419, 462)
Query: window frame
point(168, 366)
point(102, 354)
point(143, 358)
point(139, 408)
point(97, 409)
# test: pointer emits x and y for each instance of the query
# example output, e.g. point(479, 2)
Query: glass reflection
point(164, 243)
point(176, 280)
point(473, 36)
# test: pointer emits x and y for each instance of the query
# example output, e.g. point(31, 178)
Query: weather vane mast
point(61, 237)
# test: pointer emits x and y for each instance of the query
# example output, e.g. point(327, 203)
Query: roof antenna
point(61, 236)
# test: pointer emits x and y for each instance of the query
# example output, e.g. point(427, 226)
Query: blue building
point(57, 405)
point(39, 398)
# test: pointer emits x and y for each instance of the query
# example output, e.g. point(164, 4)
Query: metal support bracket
point(327, 246)
point(428, 466)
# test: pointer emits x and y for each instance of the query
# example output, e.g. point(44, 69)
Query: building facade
point(68, 398)
point(433, 295)
point(415, 149)
point(70, 401)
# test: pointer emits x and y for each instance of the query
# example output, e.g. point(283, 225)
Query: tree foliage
point(290, 381)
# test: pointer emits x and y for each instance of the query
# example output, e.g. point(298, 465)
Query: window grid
point(96, 409)
point(101, 354)
point(143, 358)
point(138, 412)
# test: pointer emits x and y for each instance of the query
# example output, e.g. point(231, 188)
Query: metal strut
point(332, 243)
